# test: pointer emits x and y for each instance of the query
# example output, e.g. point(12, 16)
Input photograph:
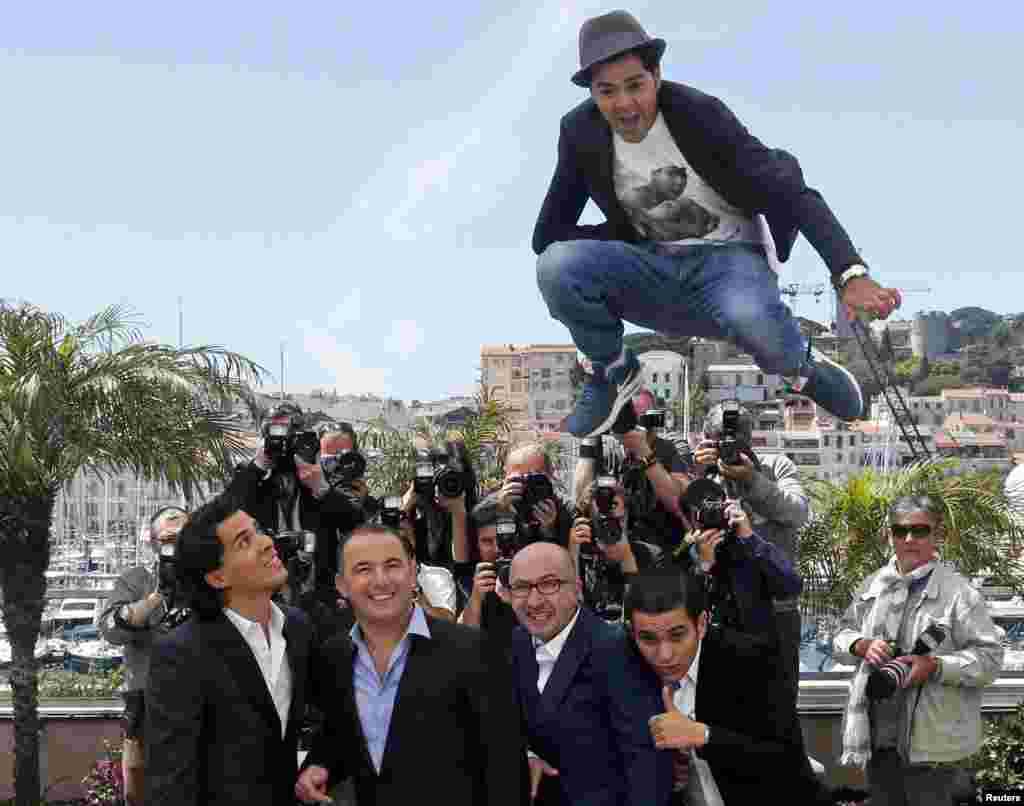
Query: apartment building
point(744, 382)
point(550, 394)
point(1003, 409)
point(666, 374)
point(532, 379)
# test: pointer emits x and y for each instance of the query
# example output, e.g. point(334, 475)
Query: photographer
point(529, 493)
point(138, 605)
point(435, 586)
point(655, 477)
point(439, 501)
point(925, 646)
point(300, 481)
point(488, 604)
point(747, 573)
point(771, 489)
point(608, 556)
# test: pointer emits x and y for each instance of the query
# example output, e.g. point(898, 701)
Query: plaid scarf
point(890, 590)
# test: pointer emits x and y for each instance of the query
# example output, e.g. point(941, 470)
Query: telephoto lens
point(888, 678)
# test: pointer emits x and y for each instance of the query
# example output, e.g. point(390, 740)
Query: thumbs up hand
point(672, 730)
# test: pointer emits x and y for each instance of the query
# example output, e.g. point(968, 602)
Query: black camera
point(167, 573)
point(887, 679)
point(729, 445)
point(592, 448)
point(537, 487)
point(508, 544)
point(284, 437)
point(607, 529)
point(708, 502)
point(712, 515)
point(343, 467)
point(391, 511)
point(290, 544)
point(450, 477)
point(440, 472)
point(652, 419)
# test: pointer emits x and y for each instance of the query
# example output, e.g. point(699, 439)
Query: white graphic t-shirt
point(668, 201)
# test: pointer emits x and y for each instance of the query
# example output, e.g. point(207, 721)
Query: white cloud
point(342, 361)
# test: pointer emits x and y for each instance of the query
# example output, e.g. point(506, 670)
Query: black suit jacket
point(736, 164)
point(455, 732)
point(213, 735)
point(756, 739)
point(590, 723)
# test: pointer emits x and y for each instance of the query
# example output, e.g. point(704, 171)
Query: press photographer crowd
point(631, 641)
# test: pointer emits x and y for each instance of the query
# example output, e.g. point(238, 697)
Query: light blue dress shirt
point(375, 695)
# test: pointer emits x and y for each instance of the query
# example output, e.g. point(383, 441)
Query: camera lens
point(449, 483)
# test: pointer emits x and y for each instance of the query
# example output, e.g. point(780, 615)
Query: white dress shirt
point(438, 586)
point(547, 654)
point(685, 699)
point(272, 660)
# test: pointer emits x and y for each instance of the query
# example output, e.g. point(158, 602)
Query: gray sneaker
point(604, 395)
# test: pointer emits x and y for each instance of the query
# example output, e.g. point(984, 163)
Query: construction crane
point(818, 290)
point(878, 366)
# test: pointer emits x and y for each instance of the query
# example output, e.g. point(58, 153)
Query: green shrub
point(92, 685)
point(999, 764)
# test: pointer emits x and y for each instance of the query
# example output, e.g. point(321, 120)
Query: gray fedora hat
point(607, 36)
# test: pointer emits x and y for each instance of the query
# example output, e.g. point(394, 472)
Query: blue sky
point(361, 180)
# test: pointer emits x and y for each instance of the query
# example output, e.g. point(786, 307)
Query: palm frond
point(843, 542)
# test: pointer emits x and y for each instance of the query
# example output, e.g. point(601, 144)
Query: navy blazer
point(756, 738)
point(591, 721)
point(212, 731)
point(736, 164)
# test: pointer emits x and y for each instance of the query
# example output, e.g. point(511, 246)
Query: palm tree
point(95, 396)
point(698, 408)
point(484, 433)
point(844, 541)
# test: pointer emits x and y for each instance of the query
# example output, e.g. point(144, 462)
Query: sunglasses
point(918, 530)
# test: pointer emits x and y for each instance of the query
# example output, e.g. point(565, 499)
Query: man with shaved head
point(587, 733)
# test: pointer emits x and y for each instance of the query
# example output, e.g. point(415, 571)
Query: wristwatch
point(707, 735)
point(856, 270)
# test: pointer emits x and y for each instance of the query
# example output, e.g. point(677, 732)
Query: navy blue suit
point(736, 164)
point(591, 721)
point(756, 738)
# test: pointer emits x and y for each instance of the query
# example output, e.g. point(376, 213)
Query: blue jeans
point(722, 292)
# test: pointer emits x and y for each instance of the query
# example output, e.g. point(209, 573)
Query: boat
point(93, 656)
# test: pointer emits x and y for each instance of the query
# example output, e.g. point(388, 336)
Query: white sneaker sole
point(820, 356)
point(623, 396)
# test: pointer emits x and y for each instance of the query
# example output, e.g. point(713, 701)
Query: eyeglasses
point(918, 530)
point(546, 587)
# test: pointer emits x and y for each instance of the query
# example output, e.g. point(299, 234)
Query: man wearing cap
point(686, 191)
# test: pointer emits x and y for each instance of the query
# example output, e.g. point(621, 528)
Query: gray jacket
point(134, 584)
point(777, 500)
point(943, 720)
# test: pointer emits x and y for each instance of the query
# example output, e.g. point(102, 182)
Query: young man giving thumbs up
point(724, 722)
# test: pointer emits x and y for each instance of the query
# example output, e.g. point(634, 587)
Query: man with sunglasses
point(914, 743)
point(585, 726)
